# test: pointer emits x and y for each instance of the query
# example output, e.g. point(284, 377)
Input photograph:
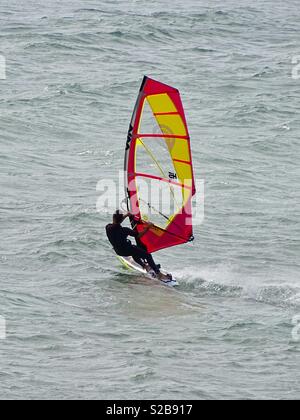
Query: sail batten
point(158, 159)
point(165, 136)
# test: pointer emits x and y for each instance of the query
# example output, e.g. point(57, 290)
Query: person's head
point(118, 217)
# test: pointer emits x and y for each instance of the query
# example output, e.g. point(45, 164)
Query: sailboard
point(159, 176)
point(130, 264)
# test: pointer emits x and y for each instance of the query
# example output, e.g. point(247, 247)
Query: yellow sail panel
point(171, 123)
point(184, 173)
point(179, 149)
point(161, 103)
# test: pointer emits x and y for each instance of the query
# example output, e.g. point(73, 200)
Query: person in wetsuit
point(118, 235)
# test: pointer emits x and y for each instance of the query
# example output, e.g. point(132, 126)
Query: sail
point(158, 166)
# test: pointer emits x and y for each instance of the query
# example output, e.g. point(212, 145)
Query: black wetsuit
point(118, 235)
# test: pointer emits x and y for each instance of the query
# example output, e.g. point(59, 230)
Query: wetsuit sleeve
point(130, 232)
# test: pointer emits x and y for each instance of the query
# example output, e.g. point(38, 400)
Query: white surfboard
point(129, 263)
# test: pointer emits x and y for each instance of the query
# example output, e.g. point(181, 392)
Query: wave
point(221, 283)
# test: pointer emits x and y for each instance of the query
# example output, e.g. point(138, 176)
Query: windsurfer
point(118, 235)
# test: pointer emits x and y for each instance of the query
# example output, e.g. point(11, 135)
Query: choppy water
point(77, 325)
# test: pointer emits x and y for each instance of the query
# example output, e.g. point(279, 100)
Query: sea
point(74, 324)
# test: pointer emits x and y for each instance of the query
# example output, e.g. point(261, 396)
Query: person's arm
point(141, 234)
point(131, 232)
